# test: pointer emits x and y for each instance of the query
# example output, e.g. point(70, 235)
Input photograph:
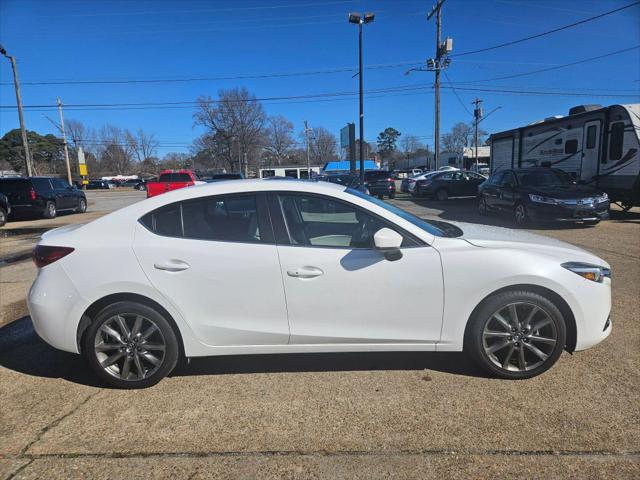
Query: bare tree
point(234, 123)
point(460, 137)
point(114, 152)
point(144, 145)
point(323, 145)
point(410, 144)
point(279, 139)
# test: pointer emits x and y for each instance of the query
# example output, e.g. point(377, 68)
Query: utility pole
point(477, 114)
point(16, 82)
point(437, 10)
point(64, 141)
point(306, 134)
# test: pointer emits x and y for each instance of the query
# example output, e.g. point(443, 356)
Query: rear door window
point(231, 218)
point(41, 184)
point(59, 183)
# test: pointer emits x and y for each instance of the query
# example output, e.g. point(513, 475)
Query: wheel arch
point(563, 306)
point(95, 308)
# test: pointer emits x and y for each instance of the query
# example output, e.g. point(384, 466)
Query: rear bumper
point(381, 189)
point(51, 299)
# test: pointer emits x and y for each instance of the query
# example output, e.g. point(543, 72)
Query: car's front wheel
point(3, 217)
point(482, 207)
point(516, 334)
point(130, 345)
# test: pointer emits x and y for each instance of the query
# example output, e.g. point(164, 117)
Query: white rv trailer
point(597, 145)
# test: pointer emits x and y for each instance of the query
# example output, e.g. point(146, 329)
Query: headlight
point(594, 273)
point(541, 199)
point(602, 198)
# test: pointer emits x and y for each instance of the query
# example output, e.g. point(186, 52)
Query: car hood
point(565, 191)
point(497, 237)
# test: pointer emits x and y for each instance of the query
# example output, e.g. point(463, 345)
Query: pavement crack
point(19, 469)
point(53, 424)
point(344, 453)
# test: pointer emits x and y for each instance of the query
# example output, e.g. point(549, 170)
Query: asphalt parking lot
point(360, 415)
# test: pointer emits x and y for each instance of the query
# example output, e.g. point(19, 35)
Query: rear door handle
point(305, 272)
point(172, 265)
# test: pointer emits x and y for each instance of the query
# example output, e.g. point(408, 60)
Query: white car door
point(341, 290)
point(214, 258)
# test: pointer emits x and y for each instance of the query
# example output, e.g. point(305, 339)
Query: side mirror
point(388, 242)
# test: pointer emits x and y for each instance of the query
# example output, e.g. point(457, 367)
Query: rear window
point(377, 175)
point(165, 177)
point(13, 185)
point(181, 177)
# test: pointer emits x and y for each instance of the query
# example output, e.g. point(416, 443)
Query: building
point(467, 158)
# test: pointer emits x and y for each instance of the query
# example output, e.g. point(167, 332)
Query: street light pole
point(438, 11)
point(64, 141)
point(360, 20)
point(16, 82)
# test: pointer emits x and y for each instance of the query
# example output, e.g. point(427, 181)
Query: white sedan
point(252, 266)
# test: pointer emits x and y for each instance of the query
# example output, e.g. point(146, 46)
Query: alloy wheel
point(520, 214)
point(482, 206)
point(129, 347)
point(519, 337)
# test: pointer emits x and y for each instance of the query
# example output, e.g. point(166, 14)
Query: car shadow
point(21, 350)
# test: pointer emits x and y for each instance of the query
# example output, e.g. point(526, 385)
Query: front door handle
point(172, 265)
point(305, 272)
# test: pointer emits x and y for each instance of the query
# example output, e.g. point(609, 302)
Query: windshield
point(542, 178)
point(434, 227)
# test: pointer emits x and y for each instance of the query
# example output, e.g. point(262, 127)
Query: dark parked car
point(5, 209)
point(131, 182)
point(224, 176)
point(380, 183)
point(346, 179)
point(44, 196)
point(452, 183)
point(98, 185)
point(542, 194)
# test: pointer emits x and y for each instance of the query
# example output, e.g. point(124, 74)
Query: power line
point(532, 72)
point(455, 91)
point(317, 97)
point(233, 77)
point(548, 32)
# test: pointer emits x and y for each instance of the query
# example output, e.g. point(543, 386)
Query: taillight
point(44, 255)
point(32, 194)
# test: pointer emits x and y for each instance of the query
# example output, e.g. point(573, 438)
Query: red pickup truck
point(171, 180)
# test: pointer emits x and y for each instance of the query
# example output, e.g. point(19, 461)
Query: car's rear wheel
point(82, 206)
point(516, 334)
point(130, 345)
point(482, 207)
point(3, 217)
point(50, 210)
point(392, 195)
point(442, 195)
point(520, 215)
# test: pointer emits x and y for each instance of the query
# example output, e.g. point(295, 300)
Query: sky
point(174, 51)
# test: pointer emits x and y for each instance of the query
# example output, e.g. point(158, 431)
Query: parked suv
point(5, 209)
point(380, 183)
point(44, 196)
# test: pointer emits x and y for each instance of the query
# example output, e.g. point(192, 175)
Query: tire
point(381, 197)
point(442, 195)
point(3, 217)
point(592, 223)
point(520, 215)
point(483, 209)
point(50, 210)
point(486, 332)
point(392, 195)
point(82, 206)
point(144, 366)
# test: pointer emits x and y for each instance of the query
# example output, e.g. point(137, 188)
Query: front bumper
point(568, 213)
